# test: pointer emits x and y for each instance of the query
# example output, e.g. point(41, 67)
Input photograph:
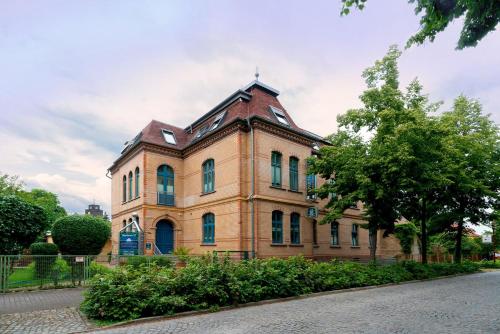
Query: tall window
point(277, 227)
point(136, 182)
point(295, 228)
point(276, 169)
point(354, 234)
point(294, 174)
point(315, 232)
point(208, 228)
point(334, 233)
point(124, 196)
point(208, 176)
point(165, 185)
point(310, 186)
point(130, 182)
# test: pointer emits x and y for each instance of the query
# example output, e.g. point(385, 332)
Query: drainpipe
point(252, 191)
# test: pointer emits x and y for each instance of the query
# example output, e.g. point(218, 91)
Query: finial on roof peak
point(257, 73)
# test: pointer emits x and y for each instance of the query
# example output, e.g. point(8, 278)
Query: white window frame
point(217, 121)
point(280, 116)
point(166, 135)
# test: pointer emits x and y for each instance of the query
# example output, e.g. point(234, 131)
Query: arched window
point(276, 169)
point(124, 223)
point(277, 227)
point(334, 234)
point(137, 176)
point(294, 174)
point(124, 197)
point(208, 176)
point(354, 235)
point(130, 227)
point(208, 228)
point(295, 228)
point(165, 185)
point(130, 181)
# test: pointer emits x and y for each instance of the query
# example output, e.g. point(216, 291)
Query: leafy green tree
point(480, 18)
point(20, 224)
point(366, 170)
point(473, 151)
point(81, 234)
point(10, 185)
point(47, 200)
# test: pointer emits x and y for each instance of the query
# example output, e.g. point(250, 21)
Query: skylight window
point(169, 137)
point(201, 132)
point(217, 121)
point(280, 115)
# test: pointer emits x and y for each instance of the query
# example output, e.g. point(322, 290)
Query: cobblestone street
point(48, 311)
point(466, 304)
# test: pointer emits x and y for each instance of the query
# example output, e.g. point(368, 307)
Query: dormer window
point(201, 132)
point(280, 115)
point(169, 137)
point(217, 121)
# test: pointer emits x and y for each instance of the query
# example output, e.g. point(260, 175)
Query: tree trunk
point(458, 242)
point(373, 244)
point(423, 227)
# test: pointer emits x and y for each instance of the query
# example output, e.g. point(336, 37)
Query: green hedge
point(131, 292)
point(138, 260)
point(489, 264)
point(43, 264)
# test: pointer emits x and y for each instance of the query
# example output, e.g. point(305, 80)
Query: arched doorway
point(165, 236)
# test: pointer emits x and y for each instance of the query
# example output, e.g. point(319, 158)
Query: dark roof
point(256, 100)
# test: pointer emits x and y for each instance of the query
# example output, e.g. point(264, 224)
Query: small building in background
point(96, 211)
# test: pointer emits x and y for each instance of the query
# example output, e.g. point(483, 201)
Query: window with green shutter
point(295, 228)
point(294, 174)
point(276, 169)
point(208, 176)
point(277, 227)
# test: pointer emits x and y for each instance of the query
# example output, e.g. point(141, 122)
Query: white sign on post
point(486, 238)
point(79, 259)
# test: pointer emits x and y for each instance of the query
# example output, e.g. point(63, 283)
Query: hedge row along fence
point(211, 282)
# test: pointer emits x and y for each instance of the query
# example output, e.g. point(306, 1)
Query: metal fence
point(20, 272)
point(43, 271)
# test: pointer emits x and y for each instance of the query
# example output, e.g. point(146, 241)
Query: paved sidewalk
point(47, 311)
point(16, 302)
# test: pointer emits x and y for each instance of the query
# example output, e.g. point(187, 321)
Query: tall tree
point(47, 200)
point(20, 224)
point(480, 18)
point(364, 170)
point(473, 148)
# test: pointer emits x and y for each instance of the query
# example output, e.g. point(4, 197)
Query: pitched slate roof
point(254, 100)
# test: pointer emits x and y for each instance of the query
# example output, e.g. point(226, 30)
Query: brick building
point(233, 180)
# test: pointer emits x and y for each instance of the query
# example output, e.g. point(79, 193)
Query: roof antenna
point(257, 74)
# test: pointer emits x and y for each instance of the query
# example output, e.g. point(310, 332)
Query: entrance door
point(165, 236)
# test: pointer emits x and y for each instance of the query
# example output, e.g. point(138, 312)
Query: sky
point(79, 78)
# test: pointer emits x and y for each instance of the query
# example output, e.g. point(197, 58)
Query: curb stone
point(262, 302)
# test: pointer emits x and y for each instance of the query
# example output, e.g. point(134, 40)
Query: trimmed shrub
point(489, 264)
point(209, 282)
point(81, 234)
point(43, 248)
point(44, 255)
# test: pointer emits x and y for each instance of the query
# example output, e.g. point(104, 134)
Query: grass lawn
point(22, 277)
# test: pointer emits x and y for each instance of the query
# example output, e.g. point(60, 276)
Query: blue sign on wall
point(129, 243)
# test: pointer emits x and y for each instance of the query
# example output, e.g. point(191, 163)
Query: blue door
point(165, 236)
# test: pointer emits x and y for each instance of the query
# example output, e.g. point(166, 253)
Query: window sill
point(208, 244)
point(355, 247)
point(277, 188)
point(207, 193)
point(296, 245)
point(278, 245)
point(335, 246)
point(315, 246)
point(130, 200)
point(295, 191)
